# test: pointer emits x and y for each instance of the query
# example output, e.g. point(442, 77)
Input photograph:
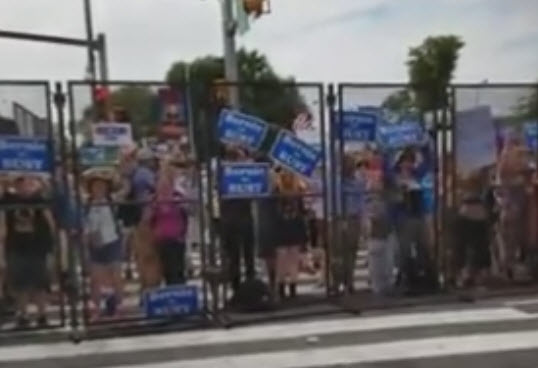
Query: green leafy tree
point(431, 68)
point(527, 107)
point(268, 96)
point(400, 103)
point(141, 104)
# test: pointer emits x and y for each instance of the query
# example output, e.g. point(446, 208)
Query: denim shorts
point(107, 254)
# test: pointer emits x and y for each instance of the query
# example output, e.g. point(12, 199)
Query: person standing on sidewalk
point(237, 231)
point(293, 231)
point(354, 186)
point(27, 233)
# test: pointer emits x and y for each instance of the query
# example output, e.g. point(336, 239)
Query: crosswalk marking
point(365, 353)
point(266, 332)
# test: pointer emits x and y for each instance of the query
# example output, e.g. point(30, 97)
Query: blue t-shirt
point(143, 183)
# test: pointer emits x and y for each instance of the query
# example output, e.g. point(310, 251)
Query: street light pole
point(103, 57)
point(89, 37)
point(229, 29)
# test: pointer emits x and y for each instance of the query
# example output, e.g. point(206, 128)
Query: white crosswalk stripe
point(314, 343)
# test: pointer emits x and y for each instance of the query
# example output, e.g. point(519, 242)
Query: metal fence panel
point(34, 244)
point(388, 235)
point(495, 160)
point(296, 110)
point(157, 174)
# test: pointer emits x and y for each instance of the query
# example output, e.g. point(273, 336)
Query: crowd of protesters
point(141, 212)
point(497, 219)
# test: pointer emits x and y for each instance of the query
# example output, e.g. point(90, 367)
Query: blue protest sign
point(372, 110)
point(244, 180)
point(531, 134)
point(242, 129)
point(179, 300)
point(25, 154)
point(407, 133)
point(357, 126)
point(294, 154)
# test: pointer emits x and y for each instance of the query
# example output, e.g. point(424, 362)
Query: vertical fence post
point(444, 186)
point(194, 138)
point(436, 182)
point(331, 101)
point(68, 281)
point(213, 272)
point(535, 93)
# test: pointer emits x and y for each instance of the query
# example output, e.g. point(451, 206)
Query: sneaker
point(42, 321)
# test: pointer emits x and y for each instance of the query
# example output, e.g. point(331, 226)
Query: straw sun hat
point(108, 175)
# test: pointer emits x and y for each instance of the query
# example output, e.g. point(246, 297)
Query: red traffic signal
point(101, 94)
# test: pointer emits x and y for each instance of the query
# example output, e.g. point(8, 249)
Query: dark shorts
point(27, 272)
point(473, 246)
point(293, 232)
point(107, 254)
point(172, 255)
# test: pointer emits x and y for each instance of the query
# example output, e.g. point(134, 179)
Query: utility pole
point(89, 37)
point(103, 57)
point(229, 29)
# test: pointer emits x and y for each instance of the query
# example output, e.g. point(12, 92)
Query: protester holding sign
point(416, 263)
point(236, 229)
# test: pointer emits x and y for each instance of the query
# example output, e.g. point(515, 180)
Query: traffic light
point(256, 7)
point(101, 94)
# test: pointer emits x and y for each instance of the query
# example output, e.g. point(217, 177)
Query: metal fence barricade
point(269, 199)
point(495, 187)
point(33, 239)
point(141, 239)
point(389, 176)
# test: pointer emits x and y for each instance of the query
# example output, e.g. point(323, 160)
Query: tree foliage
point(527, 107)
point(431, 68)
point(269, 96)
point(142, 107)
point(400, 103)
point(263, 93)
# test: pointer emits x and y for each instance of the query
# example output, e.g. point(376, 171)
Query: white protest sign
point(112, 134)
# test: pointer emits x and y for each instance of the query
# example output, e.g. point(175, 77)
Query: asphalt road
point(497, 334)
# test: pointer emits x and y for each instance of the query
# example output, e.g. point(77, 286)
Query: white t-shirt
point(101, 221)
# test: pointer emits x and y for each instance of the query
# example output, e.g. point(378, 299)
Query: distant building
point(28, 123)
point(8, 126)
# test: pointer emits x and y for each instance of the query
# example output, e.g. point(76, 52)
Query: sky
point(311, 40)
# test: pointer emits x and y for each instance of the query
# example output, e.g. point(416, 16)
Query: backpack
point(252, 296)
point(169, 221)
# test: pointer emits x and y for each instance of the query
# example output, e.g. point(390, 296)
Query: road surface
point(498, 334)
